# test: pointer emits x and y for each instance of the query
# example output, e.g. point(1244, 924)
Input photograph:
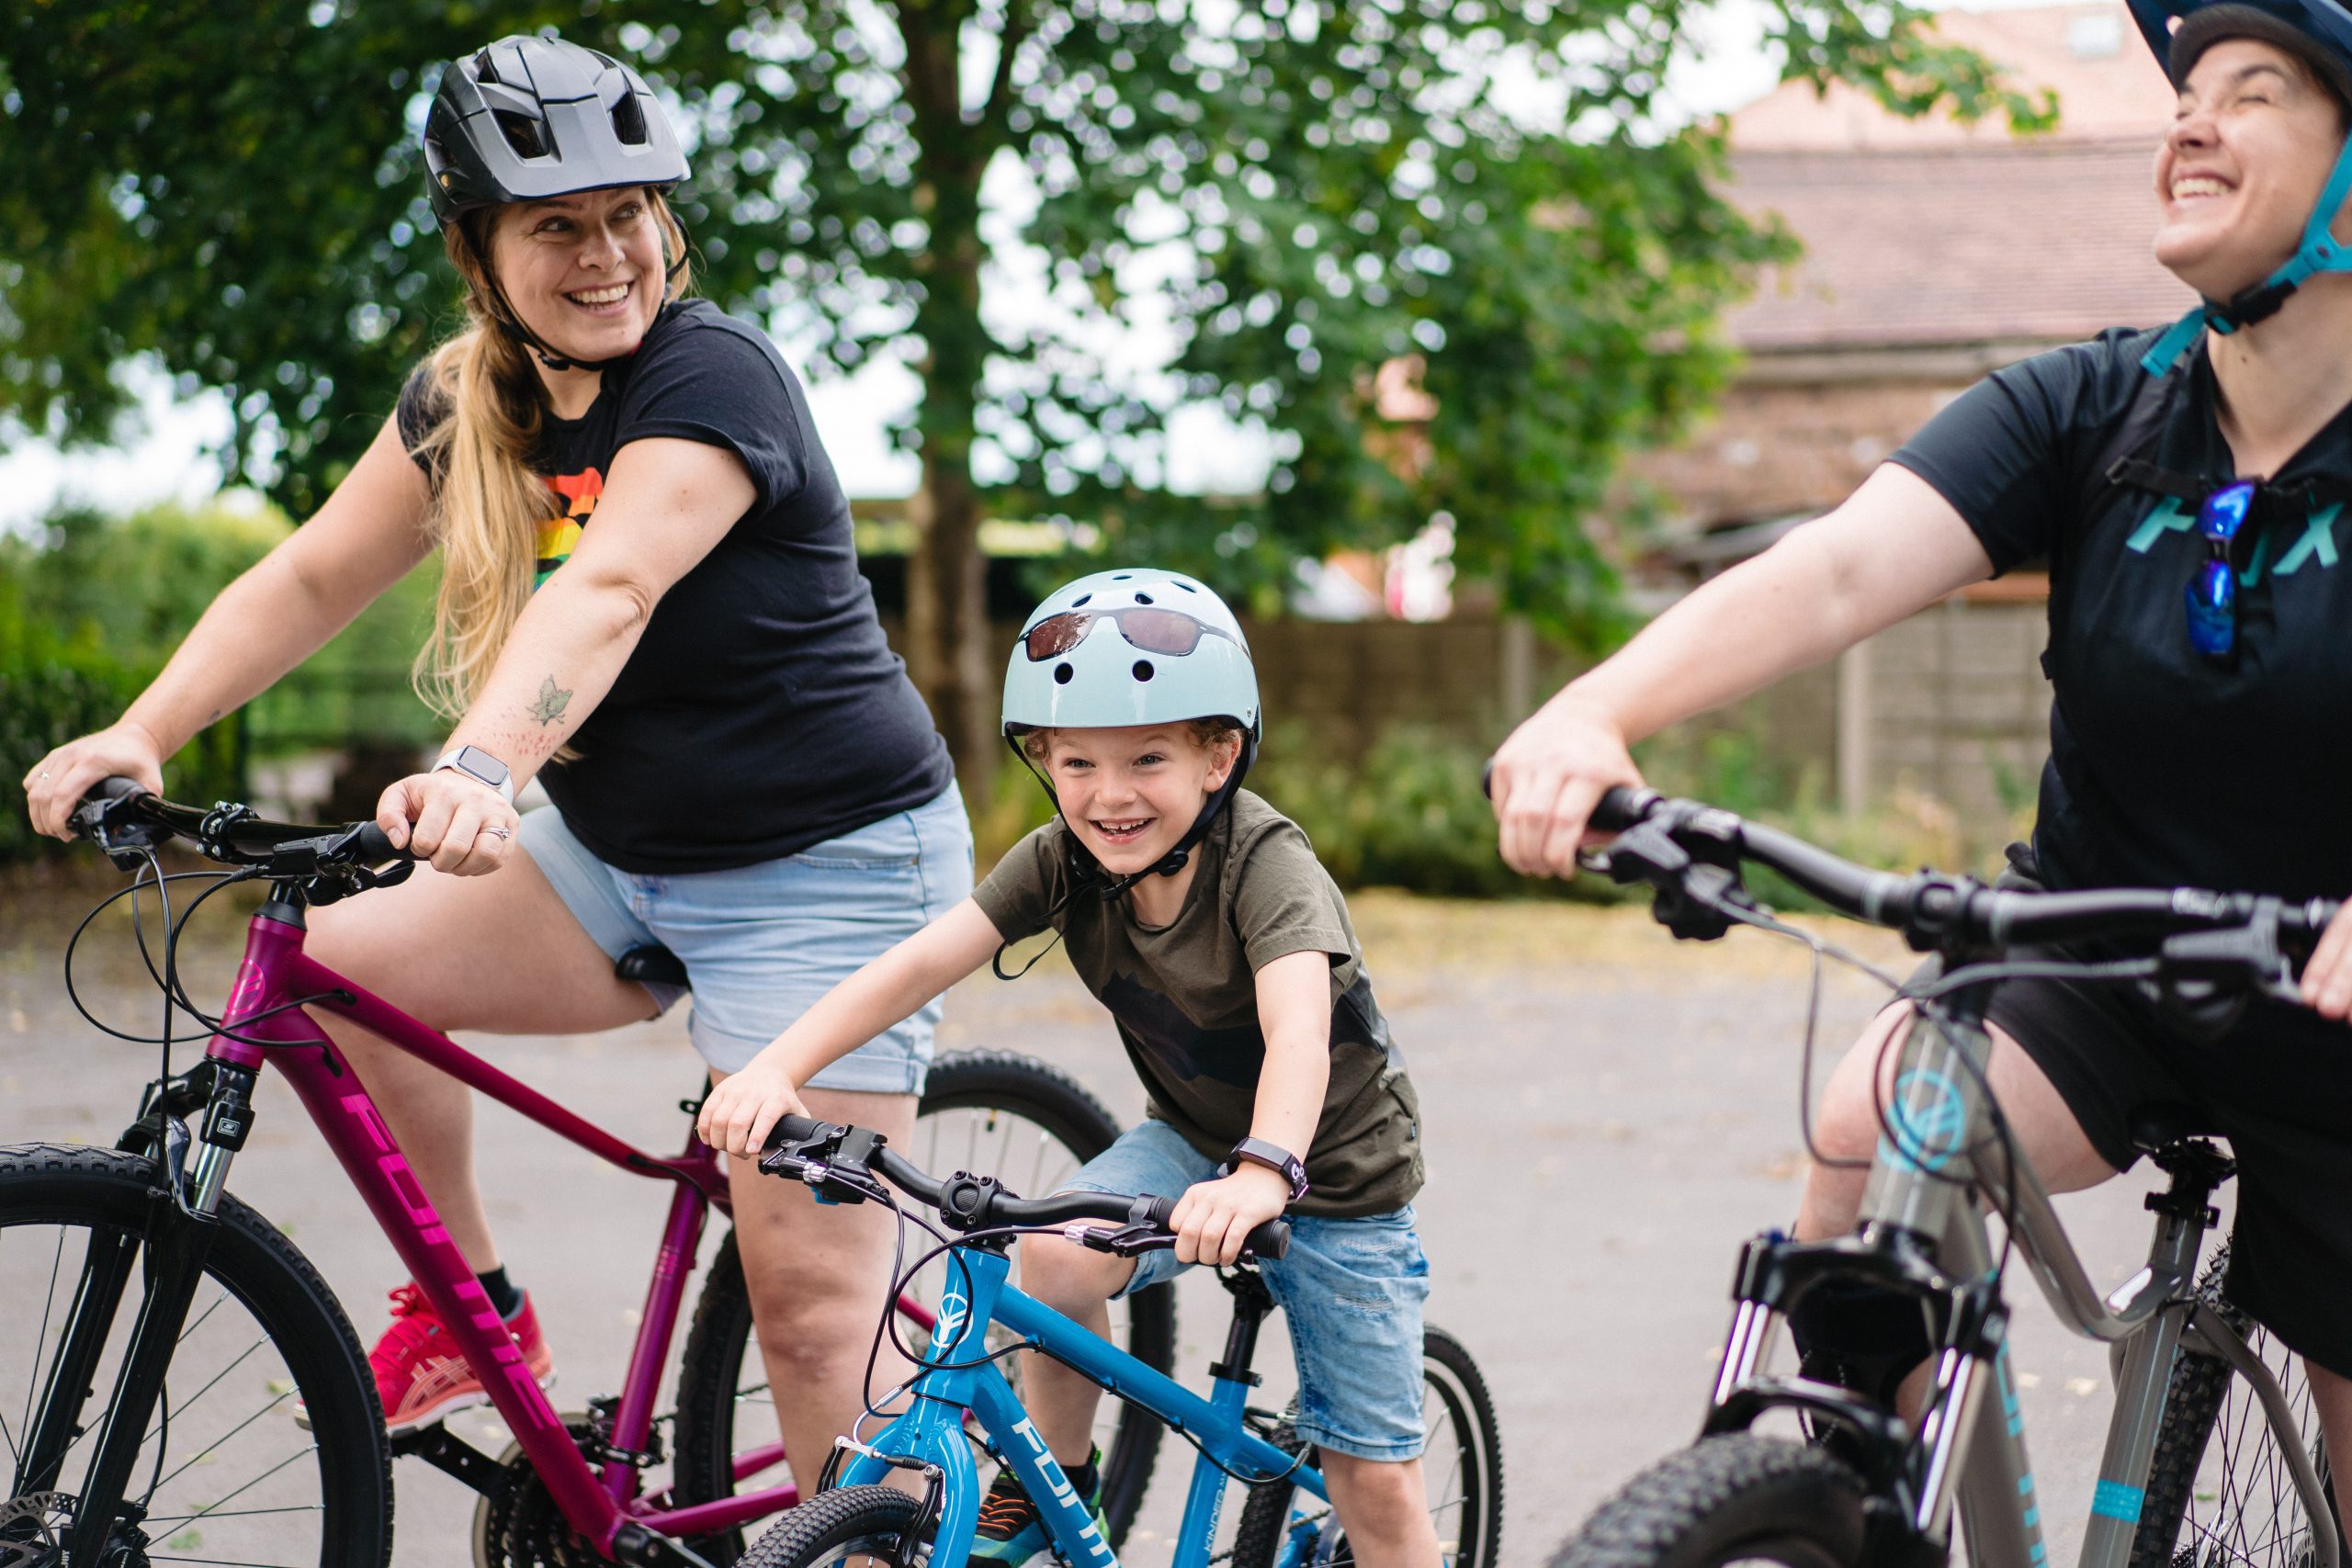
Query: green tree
point(1297, 193)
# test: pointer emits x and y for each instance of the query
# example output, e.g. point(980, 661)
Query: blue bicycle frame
point(958, 1380)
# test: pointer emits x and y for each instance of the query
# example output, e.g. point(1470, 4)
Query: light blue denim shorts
point(1350, 1289)
point(762, 943)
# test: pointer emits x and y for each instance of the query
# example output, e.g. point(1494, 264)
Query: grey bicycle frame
point(1940, 1153)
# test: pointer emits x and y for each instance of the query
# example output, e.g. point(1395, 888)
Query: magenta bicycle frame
point(275, 972)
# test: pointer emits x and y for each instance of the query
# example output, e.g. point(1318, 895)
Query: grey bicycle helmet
point(528, 118)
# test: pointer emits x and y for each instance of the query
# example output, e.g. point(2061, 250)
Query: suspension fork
point(179, 1234)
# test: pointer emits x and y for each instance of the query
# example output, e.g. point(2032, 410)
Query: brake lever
point(1125, 1241)
point(124, 840)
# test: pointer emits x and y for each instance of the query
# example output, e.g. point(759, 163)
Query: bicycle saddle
point(2157, 1127)
point(651, 964)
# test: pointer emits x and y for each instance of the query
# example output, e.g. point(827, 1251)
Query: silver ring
point(44, 773)
point(500, 833)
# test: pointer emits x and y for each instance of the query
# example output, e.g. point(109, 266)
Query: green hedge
point(52, 690)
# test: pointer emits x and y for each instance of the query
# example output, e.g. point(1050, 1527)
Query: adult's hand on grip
point(2327, 976)
point(1546, 779)
point(743, 1108)
point(55, 784)
point(461, 824)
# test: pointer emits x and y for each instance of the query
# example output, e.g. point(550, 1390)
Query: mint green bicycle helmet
point(1134, 646)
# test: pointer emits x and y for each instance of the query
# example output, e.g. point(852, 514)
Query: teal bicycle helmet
point(2318, 33)
point(1135, 645)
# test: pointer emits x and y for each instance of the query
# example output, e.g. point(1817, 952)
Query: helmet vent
point(1143, 598)
point(485, 71)
point(1080, 600)
point(1143, 671)
point(629, 121)
point(1063, 673)
point(522, 134)
point(1122, 577)
point(1187, 587)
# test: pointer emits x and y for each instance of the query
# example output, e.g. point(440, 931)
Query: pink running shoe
point(421, 1376)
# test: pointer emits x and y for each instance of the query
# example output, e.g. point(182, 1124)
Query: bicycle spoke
point(191, 1402)
point(48, 1305)
point(214, 1445)
point(212, 1509)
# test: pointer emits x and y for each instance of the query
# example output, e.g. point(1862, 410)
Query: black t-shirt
point(2165, 769)
point(761, 710)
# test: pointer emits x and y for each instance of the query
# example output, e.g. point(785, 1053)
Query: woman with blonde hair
point(649, 601)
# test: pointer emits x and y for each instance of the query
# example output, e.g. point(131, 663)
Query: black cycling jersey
point(2166, 766)
point(761, 710)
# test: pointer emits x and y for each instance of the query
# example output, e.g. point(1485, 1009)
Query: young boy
point(1200, 917)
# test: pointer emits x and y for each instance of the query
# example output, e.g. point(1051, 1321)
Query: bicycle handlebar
point(121, 816)
point(833, 1158)
point(1692, 854)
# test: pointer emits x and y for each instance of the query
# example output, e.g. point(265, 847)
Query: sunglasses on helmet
point(2213, 592)
point(1170, 632)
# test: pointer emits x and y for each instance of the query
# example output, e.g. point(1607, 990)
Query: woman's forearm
point(1893, 548)
point(565, 652)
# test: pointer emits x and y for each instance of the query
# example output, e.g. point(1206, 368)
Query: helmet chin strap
point(1176, 859)
point(2318, 253)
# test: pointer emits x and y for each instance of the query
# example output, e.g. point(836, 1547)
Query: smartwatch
point(1274, 1157)
point(482, 767)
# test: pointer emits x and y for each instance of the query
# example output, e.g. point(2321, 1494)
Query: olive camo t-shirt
point(1185, 997)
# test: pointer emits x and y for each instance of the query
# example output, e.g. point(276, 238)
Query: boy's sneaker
point(421, 1375)
point(1010, 1532)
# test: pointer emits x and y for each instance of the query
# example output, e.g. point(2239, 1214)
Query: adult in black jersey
point(2198, 679)
point(649, 601)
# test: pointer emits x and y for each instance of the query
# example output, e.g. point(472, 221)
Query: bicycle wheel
point(224, 1475)
point(1737, 1498)
point(989, 1112)
point(2219, 1490)
point(1462, 1468)
point(857, 1525)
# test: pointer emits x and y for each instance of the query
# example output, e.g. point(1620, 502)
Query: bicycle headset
point(2318, 33)
point(529, 117)
point(1135, 645)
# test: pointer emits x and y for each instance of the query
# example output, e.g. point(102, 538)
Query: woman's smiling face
point(2250, 148)
point(583, 271)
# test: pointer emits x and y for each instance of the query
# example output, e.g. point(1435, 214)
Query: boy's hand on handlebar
point(1547, 778)
point(55, 784)
point(461, 824)
point(2327, 976)
point(743, 1108)
point(1215, 1218)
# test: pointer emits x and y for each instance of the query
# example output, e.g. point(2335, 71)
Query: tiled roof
point(1954, 246)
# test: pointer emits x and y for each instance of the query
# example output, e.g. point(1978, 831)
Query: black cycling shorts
point(2276, 1084)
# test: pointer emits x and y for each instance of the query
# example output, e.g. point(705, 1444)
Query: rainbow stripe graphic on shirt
point(558, 537)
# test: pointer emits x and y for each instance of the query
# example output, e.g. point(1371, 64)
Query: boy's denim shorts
point(1350, 1289)
point(762, 943)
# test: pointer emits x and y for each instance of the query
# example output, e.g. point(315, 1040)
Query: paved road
point(1608, 1115)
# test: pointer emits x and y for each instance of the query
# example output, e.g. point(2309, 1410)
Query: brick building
point(1933, 253)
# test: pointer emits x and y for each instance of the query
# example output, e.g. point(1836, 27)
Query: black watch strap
point(1274, 1157)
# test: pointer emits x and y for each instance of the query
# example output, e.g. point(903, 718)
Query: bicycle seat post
point(1252, 1304)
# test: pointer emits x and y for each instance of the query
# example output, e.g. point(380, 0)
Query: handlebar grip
point(374, 844)
point(791, 1129)
point(1620, 808)
point(115, 788)
point(1270, 1239)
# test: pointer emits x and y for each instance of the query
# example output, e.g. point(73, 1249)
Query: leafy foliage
point(1290, 195)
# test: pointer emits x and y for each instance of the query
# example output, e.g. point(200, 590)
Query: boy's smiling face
point(1130, 794)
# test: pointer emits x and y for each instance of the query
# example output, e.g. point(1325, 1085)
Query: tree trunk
point(954, 660)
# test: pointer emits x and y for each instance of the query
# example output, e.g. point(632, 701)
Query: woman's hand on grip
point(2327, 976)
point(54, 785)
point(461, 824)
point(1547, 778)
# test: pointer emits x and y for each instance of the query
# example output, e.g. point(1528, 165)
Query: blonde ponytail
point(488, 501)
